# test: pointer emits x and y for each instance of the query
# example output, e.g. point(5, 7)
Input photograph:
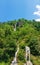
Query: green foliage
point(21, 56)
point(27, 33)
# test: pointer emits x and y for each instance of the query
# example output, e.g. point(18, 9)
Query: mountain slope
point(27, 34)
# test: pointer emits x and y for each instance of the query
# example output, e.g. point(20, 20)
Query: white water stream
point(14, 62)
point(28, 56)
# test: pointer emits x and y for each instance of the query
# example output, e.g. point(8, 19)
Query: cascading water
point(28, 62)
point(14, 62)
point(28, 56)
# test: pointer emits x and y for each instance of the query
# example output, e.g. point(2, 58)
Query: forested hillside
point(27, 34)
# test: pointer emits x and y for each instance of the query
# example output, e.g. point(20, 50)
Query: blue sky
point(15, 9)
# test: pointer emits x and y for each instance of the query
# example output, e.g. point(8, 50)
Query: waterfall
point(28, 62)
point(14, 62)
point(15, 27)
point(28, 56)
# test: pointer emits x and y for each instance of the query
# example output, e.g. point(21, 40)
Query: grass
point(3, 63)
point(20, 63)
point(35, 60)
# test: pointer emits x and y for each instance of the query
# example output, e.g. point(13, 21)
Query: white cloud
point(38, 10)
point(37, 13)
point(37, 20)
point(38, 7)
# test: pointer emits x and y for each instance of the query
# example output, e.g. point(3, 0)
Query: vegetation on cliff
point(27, 33)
